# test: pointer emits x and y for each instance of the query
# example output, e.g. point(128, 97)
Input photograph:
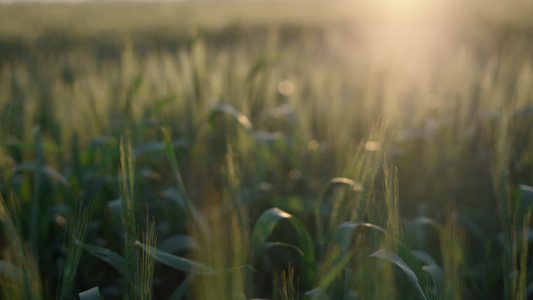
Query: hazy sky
point(81, 1)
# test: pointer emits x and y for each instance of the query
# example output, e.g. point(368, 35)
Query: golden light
point(372, 146)
point(286, 87)
point(313, 144)
point(408, 36)
point(60, 220)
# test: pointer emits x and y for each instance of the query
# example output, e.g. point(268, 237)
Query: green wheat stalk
point(77, 234)
point(146, 264)
point(127, 186)
point(453, 258)
point(18, 263)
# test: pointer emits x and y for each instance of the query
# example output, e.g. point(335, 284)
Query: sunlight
point(409, 35)
point(403, 7)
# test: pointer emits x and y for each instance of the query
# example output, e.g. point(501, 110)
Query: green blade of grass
point(191, 208)
point(269, 245)
point(422, 222)
point(295, 204)
point(346, 229)
point(134, 89)
point(261, 64)
point(102, 141)
point(35, 225)
point(268, 138)
point(45, 169)
point(104, 254)
point(423, 257)
point(177, 262)
point(159, 105)
point(91, 294)
point(115, 208)
point(316, 294)
point(232, 111)
point(175, 196)
point(47, 147)
point(318, 215)
point(395, 259)
point(158, 146)
point(434, 272)
point(328, 279)
point(266, 224)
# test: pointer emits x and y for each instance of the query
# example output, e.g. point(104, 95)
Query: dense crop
point(251, 150)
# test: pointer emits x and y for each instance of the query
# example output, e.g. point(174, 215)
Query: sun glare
point(408, 35)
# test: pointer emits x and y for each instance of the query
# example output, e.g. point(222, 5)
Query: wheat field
point(266, 149)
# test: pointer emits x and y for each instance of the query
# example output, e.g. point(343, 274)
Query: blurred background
point(264, 102)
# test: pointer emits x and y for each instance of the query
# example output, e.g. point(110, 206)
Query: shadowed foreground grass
point(283, 150)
